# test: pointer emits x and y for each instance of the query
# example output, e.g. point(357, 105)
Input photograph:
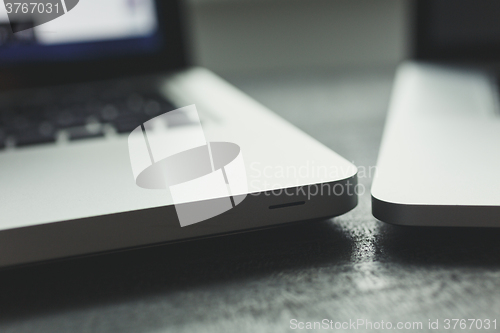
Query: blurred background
point(241, 36)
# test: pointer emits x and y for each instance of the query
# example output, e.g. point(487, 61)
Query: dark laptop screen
point(93, 29)
point(467, 30)
point(96, 39)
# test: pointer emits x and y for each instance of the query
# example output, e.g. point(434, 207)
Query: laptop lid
point(457, 31)
point(95, 40)
point(438, 159)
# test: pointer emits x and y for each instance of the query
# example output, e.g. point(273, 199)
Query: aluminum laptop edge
point(439, 157)
point(67, 199)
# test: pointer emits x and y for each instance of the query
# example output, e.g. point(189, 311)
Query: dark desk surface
point(351, 267)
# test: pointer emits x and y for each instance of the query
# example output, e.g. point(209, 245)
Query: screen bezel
point(172, 55)
point(424, 48)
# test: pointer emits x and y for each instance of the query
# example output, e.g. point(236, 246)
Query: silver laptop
point(439, 160)
point(77, 88)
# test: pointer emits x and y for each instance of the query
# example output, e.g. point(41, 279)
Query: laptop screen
point(90, 40)
point(93, 29)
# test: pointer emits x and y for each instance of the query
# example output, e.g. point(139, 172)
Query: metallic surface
point(439, 159)
point(81, 198)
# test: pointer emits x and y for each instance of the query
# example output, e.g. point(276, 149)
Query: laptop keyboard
point(77, 113)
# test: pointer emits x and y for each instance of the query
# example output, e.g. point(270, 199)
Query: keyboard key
point(32, 138)
point(85, 132)
point(71, 118)
point(152, 108)
point(125, 126)
point(128, 122)
point(44, 133)
point(93, 108)
point(135, 102)
point(19, 123)
point(154, 104)
point(35, 117)
point(109, 112)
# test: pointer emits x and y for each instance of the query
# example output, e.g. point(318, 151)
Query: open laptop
point(439, 160)
point(75, 88)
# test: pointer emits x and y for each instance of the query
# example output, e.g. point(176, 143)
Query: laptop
point(74, 92)
point(439, 159)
